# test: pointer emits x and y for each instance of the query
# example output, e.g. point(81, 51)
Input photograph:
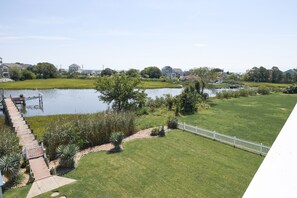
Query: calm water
point(76, 101)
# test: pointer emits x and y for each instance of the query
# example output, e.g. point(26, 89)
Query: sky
point(234, 35)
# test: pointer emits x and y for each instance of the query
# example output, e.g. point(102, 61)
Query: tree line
point(273, 75)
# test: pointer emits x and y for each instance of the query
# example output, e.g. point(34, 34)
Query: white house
point(75, 68)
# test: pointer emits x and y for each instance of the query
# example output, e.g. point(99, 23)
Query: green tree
point(27, 75)
point(276, 75)
point(107, 72)
point(15, 73)
point(188, 100)
point(120, 90)
point(133, 73)
point(151, 72)
point(263, 75)
point(46, 70)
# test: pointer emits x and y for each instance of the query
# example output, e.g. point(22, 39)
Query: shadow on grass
point(60, 171)
point(115, 150)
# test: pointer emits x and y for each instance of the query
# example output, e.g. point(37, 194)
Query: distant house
point(91, 72)
point(74, 68)
point(4, 70)
point(172, 72)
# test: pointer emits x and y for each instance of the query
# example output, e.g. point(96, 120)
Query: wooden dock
point(33, 151)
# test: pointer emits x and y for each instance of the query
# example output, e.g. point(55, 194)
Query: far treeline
point(256, 74)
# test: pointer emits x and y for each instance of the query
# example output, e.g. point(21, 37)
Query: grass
point(257, 84)
point(179, 165)
point(63, 83)
point(256, 118)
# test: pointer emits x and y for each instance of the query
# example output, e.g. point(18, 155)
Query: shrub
point(243, 93)
point(116, 139)
point(66, 153)
point(155, 132)
point(9, 142)
point(263, 90)
point(172, 123)
point(291, 89)
point(162, 132)
point(10, 165)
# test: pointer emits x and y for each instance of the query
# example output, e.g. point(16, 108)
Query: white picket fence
point(233, 141)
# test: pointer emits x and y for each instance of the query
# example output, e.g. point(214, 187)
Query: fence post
point(184, 126)
point(214, 135)
point(196, 129)
point(261, 149)
point(234, 141)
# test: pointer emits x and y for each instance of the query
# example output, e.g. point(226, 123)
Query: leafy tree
point(107, 72)
point(188, 100)
point(151, 72)
point(15, 73)
point(27, 75)
point(288, 78)
point(66, 153)
point(276, 75)
point(263, 75)
point(133, 73)
point(46, 70)
point(206, 74)
point(120, 90)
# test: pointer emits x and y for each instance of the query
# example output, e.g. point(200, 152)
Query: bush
point(9, 142)
point(243, 93)
point(172, 123)
point(116, 139)
point(263, 90)
point(291, 89)
point(10, 165)
point(86, 131)
point(155, 132)
point(66, 153)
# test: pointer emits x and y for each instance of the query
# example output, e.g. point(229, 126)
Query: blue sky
point(122, 34)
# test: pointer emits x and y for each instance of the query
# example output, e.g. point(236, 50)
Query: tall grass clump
point(263, 90)
point(236, 94)
point(87, 131)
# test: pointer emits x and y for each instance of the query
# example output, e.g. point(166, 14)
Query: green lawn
point(256, 118)
point(64, 83)
point(179, 165)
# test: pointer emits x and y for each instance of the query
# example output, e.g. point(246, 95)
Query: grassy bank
point(257, 84)
point(179, 165)
point(63, 83)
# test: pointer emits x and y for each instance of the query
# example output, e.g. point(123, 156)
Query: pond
point(76, 101)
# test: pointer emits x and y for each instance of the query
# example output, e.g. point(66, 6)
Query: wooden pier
point(33, 151)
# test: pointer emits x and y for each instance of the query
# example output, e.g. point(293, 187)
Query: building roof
point(17, 65)
point(74, 66)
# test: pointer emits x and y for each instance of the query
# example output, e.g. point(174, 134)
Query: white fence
point(233, 141)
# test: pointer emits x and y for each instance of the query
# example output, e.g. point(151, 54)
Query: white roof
point(277, 175)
